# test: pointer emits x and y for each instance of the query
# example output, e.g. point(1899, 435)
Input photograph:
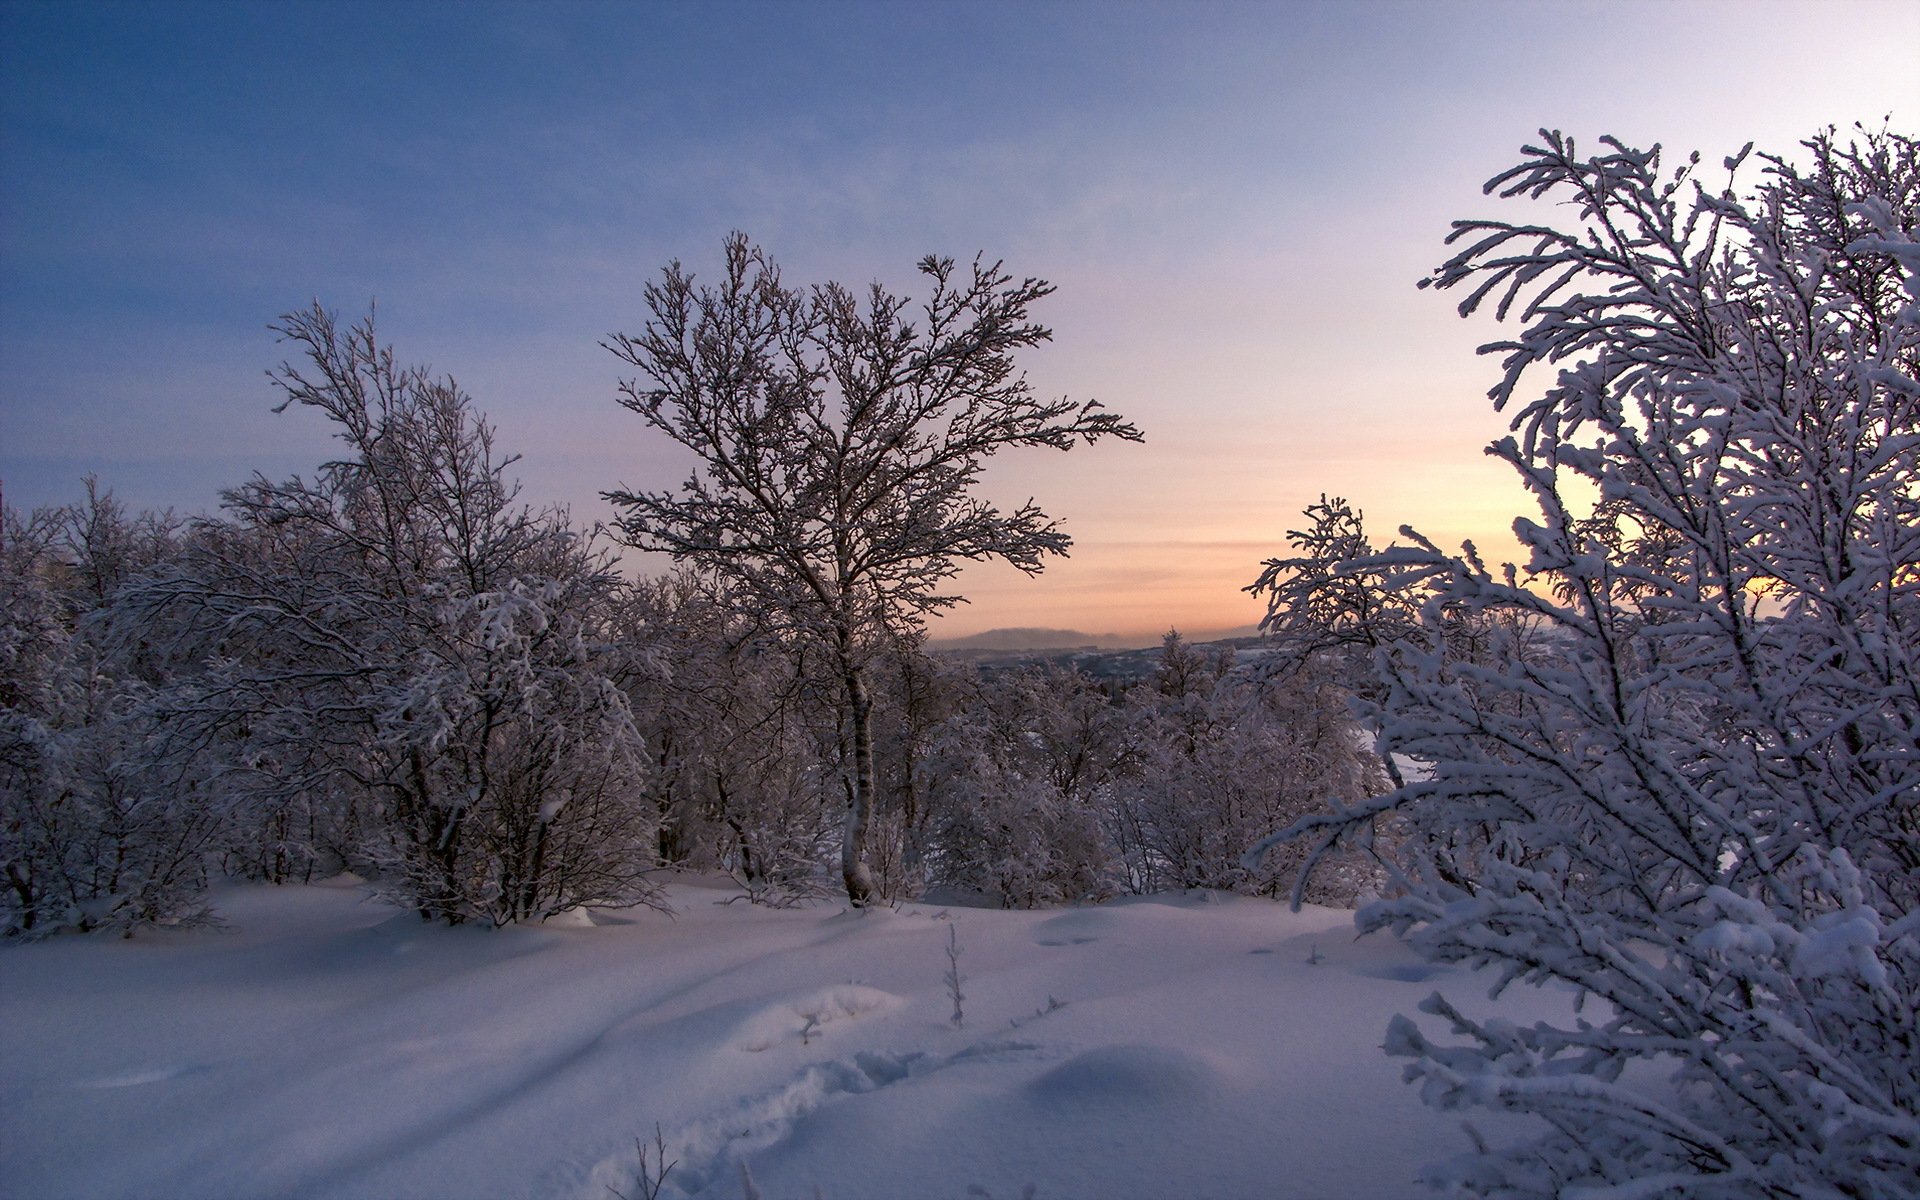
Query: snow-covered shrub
point(916, 694)
point(1687, 743)
point(1044, 786)
point(526, 761)
point(1013, 785)
point(106, 819)
point(1222, 759)
point(1009, 835)
point(401, 668)
point(739, 738)
point(106, 827)
point(266, 654)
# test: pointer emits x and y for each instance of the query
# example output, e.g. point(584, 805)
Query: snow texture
point(321, 1046)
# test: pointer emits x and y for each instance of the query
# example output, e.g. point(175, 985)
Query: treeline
point(394, 667)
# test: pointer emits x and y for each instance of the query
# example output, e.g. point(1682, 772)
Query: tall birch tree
point(838, 443)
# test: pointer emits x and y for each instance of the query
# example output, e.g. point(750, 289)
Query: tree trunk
point(853, 866)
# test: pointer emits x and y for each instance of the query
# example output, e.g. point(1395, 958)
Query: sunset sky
point(1234, 200)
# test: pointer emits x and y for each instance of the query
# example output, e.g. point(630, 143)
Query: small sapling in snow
point(653, 1168)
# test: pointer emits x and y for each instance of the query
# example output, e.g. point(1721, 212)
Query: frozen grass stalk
point(953, 977)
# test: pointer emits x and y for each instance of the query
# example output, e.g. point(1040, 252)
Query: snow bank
point(321, 1046)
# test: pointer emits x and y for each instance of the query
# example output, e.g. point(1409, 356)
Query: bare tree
point(838, 447)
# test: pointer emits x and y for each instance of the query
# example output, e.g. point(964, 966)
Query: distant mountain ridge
point(1032, 638)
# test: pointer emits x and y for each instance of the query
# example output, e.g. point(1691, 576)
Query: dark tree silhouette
point(839, 445)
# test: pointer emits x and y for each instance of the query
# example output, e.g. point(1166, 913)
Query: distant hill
point(1038, 639)
point(1019, 639)
point(1127, 662)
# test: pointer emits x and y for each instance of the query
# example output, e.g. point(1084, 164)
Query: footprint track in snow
point(707, 1154)
point(802, 1018)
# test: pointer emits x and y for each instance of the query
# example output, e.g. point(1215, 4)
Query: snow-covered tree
point(1699, 787)
point(741, 774)
point(837, 447)
point(35, 621)
point(1322, 604)
point(1224, 756)
point(107, 819)
point(1015, 785)
point(405, 664)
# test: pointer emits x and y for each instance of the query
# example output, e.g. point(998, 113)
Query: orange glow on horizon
point(1189, 570)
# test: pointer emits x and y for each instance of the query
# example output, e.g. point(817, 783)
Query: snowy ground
point(323, 1045)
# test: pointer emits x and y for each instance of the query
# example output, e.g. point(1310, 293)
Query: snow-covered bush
point(1044, 785)
point(739, 738)
point(1221, 759)
point(401, 668)
point(1014, 786)
point(1009, 835)
point(106, 826)
point(106, 818)
point(511, 715)
point(1694, 794)
point(917, 694)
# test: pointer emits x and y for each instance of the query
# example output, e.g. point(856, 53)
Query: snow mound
point(1164, 1075)
point(1076, 927)
point(802, 1018)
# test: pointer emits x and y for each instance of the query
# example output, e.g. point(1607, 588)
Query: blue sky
point(1235, 201)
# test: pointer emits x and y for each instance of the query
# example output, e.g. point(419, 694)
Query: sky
point(1235, 202)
